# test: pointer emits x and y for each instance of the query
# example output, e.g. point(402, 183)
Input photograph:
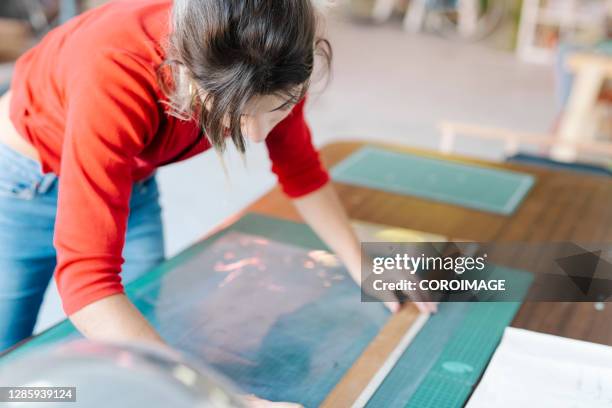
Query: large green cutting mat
point(481, 188)
point(252, 302)
point(262, 303)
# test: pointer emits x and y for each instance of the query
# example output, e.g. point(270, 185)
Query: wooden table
point(563, 206)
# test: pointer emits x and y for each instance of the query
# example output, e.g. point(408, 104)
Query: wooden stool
point(591, 71)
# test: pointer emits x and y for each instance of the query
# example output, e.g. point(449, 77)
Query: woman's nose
point(256, 130)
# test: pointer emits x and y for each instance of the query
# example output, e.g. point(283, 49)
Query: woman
point(115, 93)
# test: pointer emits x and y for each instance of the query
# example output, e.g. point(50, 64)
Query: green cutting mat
point(447, 357)
point(439, 369)
point(274, 229)
point(481, 188)
point(261, 304)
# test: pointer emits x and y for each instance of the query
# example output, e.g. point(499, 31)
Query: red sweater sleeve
point(295, 161)
point(111, 113)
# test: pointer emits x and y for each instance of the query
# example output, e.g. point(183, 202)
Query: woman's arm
point(115, 318)
point(324, 213)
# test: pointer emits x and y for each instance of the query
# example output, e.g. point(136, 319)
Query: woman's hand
point(423, 305)
point(324, 213)
point(427, 307)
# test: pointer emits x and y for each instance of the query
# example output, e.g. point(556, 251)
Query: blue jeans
point(28, 203)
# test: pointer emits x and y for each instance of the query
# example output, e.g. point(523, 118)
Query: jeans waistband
point(29, 169)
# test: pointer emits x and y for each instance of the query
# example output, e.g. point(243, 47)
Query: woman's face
point(261, 115)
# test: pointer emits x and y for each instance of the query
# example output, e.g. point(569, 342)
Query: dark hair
point(222, 53)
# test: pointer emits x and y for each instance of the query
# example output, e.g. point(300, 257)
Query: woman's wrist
point(353, 263)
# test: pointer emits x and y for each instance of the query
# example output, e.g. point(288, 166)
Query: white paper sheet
point(532, 369)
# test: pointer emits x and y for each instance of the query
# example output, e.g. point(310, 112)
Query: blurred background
point(490, 79)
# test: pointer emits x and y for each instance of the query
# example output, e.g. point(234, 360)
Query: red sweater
point(87, 98)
